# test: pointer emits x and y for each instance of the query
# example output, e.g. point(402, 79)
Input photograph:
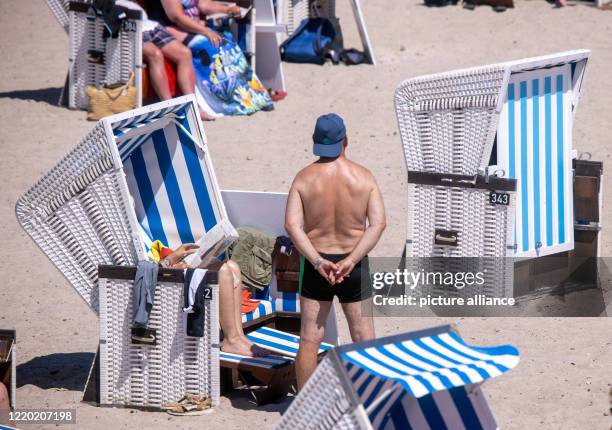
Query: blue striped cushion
point(280, 342)
point(265, 307)
point(287, 302)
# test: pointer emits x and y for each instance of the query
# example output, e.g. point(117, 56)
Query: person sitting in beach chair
point(224, 78)
point(159, 44)
point(231, 298)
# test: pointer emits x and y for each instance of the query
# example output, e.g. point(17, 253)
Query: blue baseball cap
point(328, 135)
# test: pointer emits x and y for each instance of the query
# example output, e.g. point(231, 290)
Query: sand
point(564, 376)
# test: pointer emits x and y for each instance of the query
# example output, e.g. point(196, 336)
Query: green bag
point(253, 253)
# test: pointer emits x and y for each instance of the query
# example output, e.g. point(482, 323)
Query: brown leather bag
point(287, 270)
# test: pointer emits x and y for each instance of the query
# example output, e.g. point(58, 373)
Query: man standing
point(327, 208)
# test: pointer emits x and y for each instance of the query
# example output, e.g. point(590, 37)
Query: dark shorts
point(356, 287)
point(159, 36)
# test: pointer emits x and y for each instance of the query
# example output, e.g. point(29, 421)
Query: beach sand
point(564, 376)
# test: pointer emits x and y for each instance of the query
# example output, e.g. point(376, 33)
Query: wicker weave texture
point(146, 375)
point(76, 216)
point(298, 10)
point(483, 228)
point(121, 56)
point(322, 404)
point(484, 232)
point(59, 8)
point(448, 122)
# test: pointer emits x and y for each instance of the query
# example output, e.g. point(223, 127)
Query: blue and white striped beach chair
point(136, 177)
point(429, 379)
point(272, 377)
point(512, 120)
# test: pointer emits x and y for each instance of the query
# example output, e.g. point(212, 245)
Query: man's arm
point(376, 225)
point(294, 224)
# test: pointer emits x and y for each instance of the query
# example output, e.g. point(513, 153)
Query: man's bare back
point(335, 215)
point(335, 196)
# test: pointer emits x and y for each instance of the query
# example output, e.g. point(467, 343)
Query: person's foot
point(561, 3)
point(206, 117)
point(242, 347)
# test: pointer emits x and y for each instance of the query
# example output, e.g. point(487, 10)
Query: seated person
point(224, 78)
point(157, 44)
point(230, 296)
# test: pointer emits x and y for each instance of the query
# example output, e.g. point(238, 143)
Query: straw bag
point(111, 99)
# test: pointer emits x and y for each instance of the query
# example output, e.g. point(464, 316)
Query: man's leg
point(359, 318)
point(314, 314)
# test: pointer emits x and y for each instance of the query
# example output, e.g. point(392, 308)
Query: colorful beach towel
point(225, 79)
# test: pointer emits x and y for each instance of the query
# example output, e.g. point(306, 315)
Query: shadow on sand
point(62, 370)
point(45, 95)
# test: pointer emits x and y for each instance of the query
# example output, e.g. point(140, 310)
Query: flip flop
point(277, 96)
point(189, 405)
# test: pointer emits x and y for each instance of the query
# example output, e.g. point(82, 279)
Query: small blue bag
point(310, 42)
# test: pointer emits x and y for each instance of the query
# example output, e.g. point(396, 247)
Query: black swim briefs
point(314, 286)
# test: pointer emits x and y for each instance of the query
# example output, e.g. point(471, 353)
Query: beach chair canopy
point(176, 197)
point(422, 380)
point(139, 176)
point(510, 119)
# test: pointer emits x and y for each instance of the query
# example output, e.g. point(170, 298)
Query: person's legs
point(5, 405)
point(234, 340)
point(154, 58)
point(359, 318)
point(180, 55)
point(314, 314)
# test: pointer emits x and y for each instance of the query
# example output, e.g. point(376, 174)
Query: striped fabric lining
point(169, 207)
point(455, 409)
point(287, 302)
point(427, 365)
point(534, 146)
point(265, 307)
point(267, 362)
point(280, 342)
point(121, 127)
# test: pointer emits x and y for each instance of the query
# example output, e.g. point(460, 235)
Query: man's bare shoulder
point(304, 175)
point(362, 172)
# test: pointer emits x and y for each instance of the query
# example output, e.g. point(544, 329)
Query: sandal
point(189, 405)
point(277, 96)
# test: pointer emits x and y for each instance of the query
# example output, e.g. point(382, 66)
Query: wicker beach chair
point(8, 364)
point(291, 13)
point(97, 61)
point(136, 177)
point(428, 379)
point(148, 376)
point(510, 120)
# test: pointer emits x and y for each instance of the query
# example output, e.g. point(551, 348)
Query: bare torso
point(335, 198)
